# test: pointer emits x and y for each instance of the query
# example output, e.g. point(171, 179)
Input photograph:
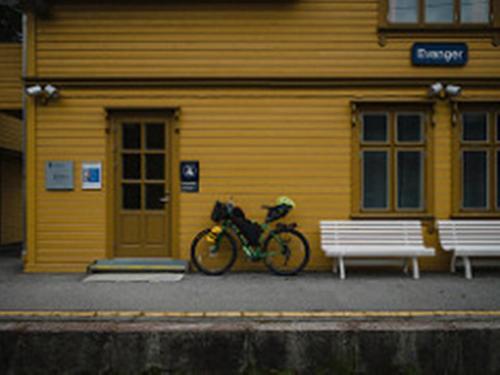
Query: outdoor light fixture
point(50, 91)
point(436, 89)
point(34, 90)
point(45, 93)
point(439, 90)
point(453, 90)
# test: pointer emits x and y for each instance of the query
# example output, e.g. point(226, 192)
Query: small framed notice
point(91, 175)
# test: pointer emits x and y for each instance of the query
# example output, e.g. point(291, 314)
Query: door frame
point(114, 118)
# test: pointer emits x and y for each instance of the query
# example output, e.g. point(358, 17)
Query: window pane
point(154, 194)
point(375, 187)
point(131, 166)
point(475, 126)
point(498, 178)
point(155, 167)
point(475, 11)
point(131, 136)
point(375, 128)
point(155, 136)
point(474, 181)
point(131, 196)
point(409, 128)
point(409, 179)
point(439, 11)
point(498, 127)
point(403, 11)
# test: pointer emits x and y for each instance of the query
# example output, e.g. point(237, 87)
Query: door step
point(138, 265)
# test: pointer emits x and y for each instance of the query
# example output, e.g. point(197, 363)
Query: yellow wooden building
point(11, 198)
point(326, 101)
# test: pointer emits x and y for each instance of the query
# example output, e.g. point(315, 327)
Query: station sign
point(439, 54)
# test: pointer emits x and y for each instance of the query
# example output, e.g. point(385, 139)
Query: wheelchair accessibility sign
point(190, 176)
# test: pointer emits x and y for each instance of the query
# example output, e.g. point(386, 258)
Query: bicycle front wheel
point(213, 257)
point(288, 252)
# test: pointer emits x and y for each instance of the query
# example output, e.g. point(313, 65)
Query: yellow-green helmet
point(285, 200)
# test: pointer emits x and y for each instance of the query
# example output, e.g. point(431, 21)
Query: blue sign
point(439, 54)
point(190, 176)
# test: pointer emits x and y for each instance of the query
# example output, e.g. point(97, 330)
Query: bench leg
point(416, 271)
point(335, 266)
point(453, 264)
point(468, 268)
point(342, 268)
point(406, 266)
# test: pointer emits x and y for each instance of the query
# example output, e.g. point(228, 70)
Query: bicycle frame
point(253, 252)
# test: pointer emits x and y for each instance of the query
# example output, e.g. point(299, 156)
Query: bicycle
point(284, 249)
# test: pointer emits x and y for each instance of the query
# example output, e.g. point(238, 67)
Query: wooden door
point(142, 188)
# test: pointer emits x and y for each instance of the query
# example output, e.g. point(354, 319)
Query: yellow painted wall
point(11, 203)
point(10, 76)
point(283, 38)
point(252, 144)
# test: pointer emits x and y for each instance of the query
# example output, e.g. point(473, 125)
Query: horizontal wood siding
point(282, 38)
point(10, 133)
point(253, 145)
point(10, 76)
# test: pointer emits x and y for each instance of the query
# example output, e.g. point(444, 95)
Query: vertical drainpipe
point(24, 132)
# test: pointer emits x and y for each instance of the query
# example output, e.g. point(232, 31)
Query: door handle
point(165, 199)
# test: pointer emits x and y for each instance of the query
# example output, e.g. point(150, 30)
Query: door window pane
point(474, 179)
point(131, 196)
point(131, 137)
point(409, 179)
point(498, 178)
point(475, 11)
point(403, 11)
point(374, 128)
point(155, 136)
point(154, 194)
point(375, 186)
point(409, 128)
point(155, 167)
point(475, 126)
point(439, 11)
point(498, 127)
point(131, 166)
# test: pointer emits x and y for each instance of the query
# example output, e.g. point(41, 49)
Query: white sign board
point(91, 175)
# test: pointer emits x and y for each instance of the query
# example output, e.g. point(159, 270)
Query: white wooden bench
point(373, 239)
point(469, 238)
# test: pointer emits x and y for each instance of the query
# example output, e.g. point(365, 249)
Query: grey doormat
point(133, 277)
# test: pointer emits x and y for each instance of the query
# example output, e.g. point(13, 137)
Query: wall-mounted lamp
point(442, 92)
point(453, 90)
point(46, 92)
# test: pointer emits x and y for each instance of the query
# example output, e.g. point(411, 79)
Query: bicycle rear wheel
point(288, 252)
point(213, 258)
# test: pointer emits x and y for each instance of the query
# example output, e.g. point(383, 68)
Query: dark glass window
point(375, 128)
point(475, 179)
point(375, 184)
point(475, 126)
point(154, 195)
point(131, 136)
point(131, 166)
point(131, 196)
point(155, 166)
point(409, 128)
point(155, 136)
point(410, 172)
